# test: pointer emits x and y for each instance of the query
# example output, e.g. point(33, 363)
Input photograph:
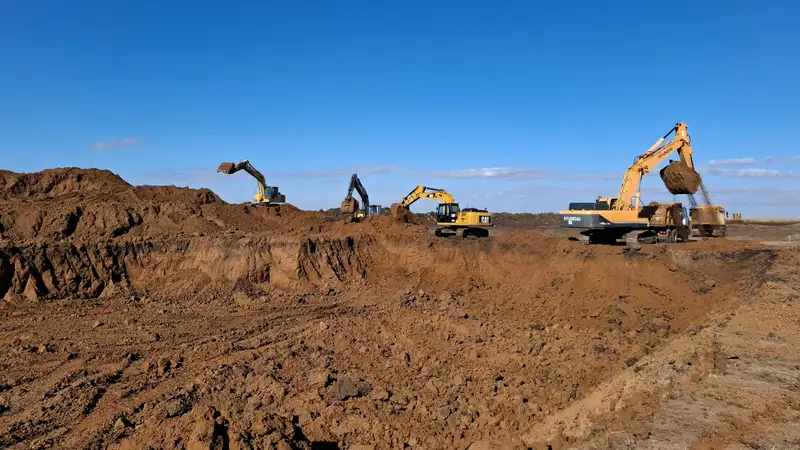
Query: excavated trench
point(544, 269)
point(427, 341)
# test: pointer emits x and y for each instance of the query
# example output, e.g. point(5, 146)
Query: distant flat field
point(770, 221)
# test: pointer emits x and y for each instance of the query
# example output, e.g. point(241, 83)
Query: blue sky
point(556, 98)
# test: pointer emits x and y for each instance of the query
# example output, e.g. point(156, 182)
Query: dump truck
point(709, 221)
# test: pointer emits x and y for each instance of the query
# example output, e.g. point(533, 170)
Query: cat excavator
point(607, 219)
point(349, 207)
point(266, 195)
point(450, 218)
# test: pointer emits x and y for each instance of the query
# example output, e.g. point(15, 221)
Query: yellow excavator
point(350, 207)
point(608, 219)
point(449, 217)
point(266, 195)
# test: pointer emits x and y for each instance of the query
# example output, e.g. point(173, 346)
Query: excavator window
point(585, 206)
point(447, 212)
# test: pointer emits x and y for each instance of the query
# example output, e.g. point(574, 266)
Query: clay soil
point(161, 317)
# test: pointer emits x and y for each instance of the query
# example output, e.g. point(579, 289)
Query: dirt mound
point(59, 183)
point(176, 194)
point(87, 204)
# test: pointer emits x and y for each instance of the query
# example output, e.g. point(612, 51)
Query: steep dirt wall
point(619, 283)
point(40, 272)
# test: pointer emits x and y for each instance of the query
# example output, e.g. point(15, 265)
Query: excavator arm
point(349, 205)
point(649, 160)
point(231, 168)
point(428, 193)
point(400, 211)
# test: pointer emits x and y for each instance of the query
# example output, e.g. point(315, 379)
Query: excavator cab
point(447, 212)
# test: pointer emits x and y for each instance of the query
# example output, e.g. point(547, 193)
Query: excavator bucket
point(680, 178)
point(226, 167)
point(349, 206)
point(400, 213)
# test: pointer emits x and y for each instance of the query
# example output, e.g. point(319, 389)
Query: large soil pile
point(88, 204)
point(163, 317)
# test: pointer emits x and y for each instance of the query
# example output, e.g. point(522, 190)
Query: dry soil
point(162, 317)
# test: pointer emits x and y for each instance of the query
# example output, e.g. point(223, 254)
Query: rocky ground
point(160, 317)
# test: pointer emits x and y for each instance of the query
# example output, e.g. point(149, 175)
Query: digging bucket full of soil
point(680, 178)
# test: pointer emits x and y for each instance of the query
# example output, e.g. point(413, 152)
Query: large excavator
point(266, 195)
point(609, 219)
point(449, 217)
point(349, 207)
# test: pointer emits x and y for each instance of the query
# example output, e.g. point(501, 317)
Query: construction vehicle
point(378, 210)
point(450, 218)
point(707, 220)
point(266, 195)
point(350, 207)
point(736, 217)
point(606, 220)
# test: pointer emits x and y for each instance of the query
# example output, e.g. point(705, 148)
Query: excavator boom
point(608, 219)
point(679, 179)
point(350, 205)
point(266, 194)
point(429, 193)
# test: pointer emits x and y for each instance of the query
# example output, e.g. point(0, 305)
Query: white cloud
point(507, 173)
point(345, 172)
point(752, 161)
point(491, 195)
point(751, 173)
point(116, 143)
point(733, 162)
